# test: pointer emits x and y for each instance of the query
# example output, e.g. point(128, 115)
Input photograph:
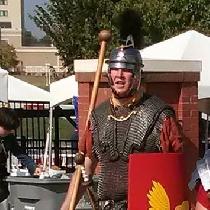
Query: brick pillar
point(189, 117)
point(86, 81)
point(83, 105)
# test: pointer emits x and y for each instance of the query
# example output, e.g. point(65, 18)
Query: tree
point(164, 19)
point(8, 58)
point(73, 26)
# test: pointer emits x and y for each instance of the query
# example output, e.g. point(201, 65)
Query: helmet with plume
point(127, 56)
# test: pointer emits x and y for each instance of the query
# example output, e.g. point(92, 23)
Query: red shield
point(157, 181)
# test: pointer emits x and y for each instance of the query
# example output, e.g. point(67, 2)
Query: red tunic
point(202, 197)
point(171, 136)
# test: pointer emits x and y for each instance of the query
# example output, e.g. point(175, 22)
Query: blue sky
point(29, 24)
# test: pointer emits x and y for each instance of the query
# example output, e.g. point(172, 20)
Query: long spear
point(104, 37)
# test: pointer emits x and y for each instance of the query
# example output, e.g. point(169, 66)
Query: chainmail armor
point(115, 140)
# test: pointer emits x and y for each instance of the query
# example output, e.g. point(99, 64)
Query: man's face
point(122, 81)
point(4, 132)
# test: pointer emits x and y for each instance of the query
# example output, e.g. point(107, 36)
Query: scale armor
point(115, 139)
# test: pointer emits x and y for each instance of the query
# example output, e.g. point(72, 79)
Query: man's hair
point(9, 119)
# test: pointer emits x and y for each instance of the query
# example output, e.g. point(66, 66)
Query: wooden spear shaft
point(104, 37)
point(97, 79)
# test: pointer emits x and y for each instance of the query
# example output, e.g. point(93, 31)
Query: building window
point(3, 13)
point(4, 42)
point(5, 24)
point(3, 2)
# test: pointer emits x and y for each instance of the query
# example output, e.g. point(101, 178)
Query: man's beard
point(121, 96)
point(135, 84)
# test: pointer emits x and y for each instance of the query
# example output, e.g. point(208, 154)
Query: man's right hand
point(38, 170)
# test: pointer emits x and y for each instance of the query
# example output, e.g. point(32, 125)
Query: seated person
point(8, 123)
point(10, 144)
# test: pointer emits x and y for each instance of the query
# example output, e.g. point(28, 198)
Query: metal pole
point(49, 74)
point(207, 133)
point(56, 140)
point(50, 137)
point(47, 81)
point(0, 50)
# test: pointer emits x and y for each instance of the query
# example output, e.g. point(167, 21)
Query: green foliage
point(164, 19)
point(8, 58)
point(73, 26)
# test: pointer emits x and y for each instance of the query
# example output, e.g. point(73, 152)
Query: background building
point(12, 21)
point(32, 59)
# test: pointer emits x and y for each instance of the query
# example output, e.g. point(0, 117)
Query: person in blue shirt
point(9, 122)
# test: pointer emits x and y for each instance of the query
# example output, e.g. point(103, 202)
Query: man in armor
point(8, 123)
point(130, 121)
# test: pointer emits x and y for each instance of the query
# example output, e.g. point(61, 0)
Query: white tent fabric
point(3, 85)
point(15, 89)
point(190, 45)
point(63, 90)
point(19, 90)
point(60, 91)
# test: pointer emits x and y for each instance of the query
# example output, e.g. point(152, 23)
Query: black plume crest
point(129, 22)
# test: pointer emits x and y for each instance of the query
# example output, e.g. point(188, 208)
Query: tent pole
point(207, 133)
point(46, 150)
point(50, 137)
point(56, 139)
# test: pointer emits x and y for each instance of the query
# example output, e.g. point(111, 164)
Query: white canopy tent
point(19, 90)
point(60, 91)
point(14, 89)
point(3, 85)
point(190, 45)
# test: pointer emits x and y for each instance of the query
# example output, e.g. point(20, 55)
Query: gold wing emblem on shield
point(183, 206)
point(159, 200)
